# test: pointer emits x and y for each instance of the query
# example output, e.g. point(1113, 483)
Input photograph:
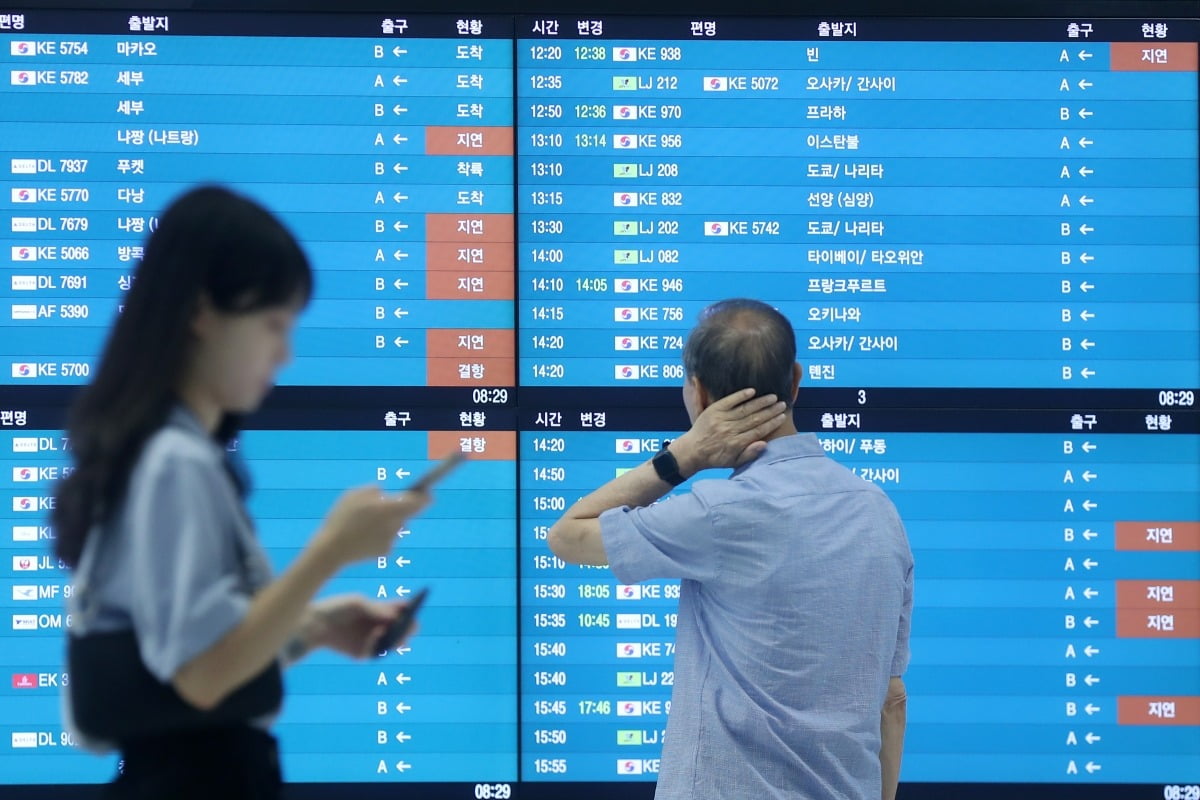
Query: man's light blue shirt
point(794, 611)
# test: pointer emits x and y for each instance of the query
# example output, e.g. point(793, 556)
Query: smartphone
point(439, 471)
point(401, 626)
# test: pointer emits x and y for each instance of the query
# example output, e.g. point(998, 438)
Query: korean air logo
point(716, 228)
point(712, 84)
point(624, 112)
point(629, 708)
point(629, 592)
point(21, 49)
point(626, 286)
point(626, 54)
point(628, 446)
point(22, 78)
point(24, 370)
point(625, 315)
point(629, 767)
point(625, 200)
point(24, 474)
point(625, 344)
point(629, 650)
point(625, 142)
point(22, 195)
point(626, 372)
point(24, 504)
point(24, 254)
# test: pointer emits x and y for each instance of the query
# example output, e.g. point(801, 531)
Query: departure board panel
point(400, 716)
point(942, 220)
point(945, 213)
point(386, 149)
point(985, 233)
point(385, 145)
point(1055, 552)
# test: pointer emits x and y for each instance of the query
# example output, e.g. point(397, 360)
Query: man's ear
point(797, 374)
point(703, 398)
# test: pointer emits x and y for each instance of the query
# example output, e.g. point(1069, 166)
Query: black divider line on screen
point(524, 790)
point(819, 397)
point(583, 397)
point(547, 410)
point(1090, 420)
point(518, 552)
point(907, 791)
point(1111, 22)
point(1029, 791)
point(613, 10)
point(851, 420)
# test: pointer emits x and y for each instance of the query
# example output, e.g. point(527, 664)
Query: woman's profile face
point(237, 355)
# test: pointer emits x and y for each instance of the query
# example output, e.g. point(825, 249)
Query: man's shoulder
point(172, 452)
point(782, 487)
point(810, 474)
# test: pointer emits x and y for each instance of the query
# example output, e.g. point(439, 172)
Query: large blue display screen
point(986, 234)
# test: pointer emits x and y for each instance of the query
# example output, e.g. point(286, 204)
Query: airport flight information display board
point(956, 214)
point(986, 234)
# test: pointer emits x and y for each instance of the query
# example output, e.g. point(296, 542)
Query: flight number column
point(596, 656)
point(601, 271)
point(34, 585)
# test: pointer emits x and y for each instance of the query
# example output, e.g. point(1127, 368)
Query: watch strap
point(667, 467)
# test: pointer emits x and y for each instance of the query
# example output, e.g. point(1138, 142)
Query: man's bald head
point(740, 343)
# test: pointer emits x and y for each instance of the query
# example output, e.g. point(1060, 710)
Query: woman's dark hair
point(209, 243)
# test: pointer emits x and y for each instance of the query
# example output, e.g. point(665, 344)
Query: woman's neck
point(207, 410)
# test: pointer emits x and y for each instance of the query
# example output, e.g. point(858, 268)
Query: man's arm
point(891, 728)
point(576, 537)
point(727, 433)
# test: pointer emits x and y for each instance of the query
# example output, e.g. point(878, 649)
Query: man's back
point(796, 576)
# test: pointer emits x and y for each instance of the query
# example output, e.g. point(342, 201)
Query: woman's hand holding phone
point(363, 523)
point(351, 624)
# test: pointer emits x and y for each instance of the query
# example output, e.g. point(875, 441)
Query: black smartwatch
point(667, 467)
